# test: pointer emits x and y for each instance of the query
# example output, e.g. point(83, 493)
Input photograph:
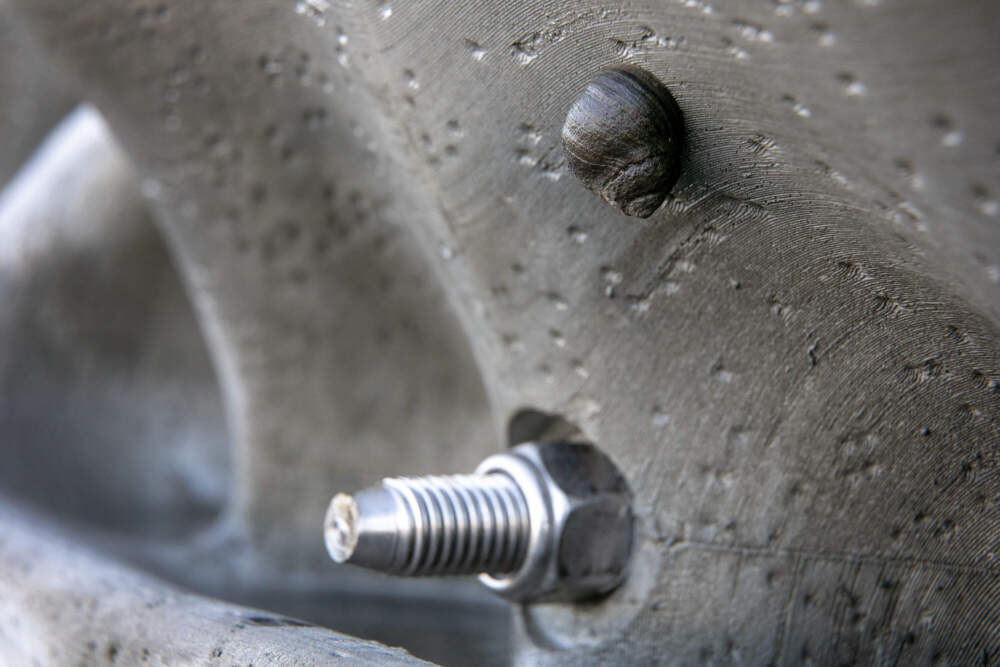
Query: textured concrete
point(111, 417)
point(63, 605)
point(796, 362)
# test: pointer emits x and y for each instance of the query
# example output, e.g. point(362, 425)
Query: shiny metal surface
point(540, 522)
point(582, 527)
point(420, 526)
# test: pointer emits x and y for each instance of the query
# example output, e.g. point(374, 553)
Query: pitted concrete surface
point(795, 362)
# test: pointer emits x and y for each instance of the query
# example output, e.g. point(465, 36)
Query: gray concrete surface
point(35, 95)
point(795, 362)
point(63, 605)
point(109, 407)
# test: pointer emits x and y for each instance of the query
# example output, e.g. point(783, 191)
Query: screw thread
point(461, 524)
point(530, 530)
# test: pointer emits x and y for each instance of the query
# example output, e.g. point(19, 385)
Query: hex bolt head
point(540, 522)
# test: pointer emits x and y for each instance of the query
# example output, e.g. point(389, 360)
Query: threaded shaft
point(538, 522)
point(461, 524)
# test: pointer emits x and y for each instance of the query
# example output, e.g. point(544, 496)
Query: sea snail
point(623, 139)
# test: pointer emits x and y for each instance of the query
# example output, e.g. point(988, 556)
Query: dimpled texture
point(798, 375)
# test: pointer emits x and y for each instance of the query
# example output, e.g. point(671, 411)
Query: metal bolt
point(539, 522)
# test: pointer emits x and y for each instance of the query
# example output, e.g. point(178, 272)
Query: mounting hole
point(589, 623)
point(530, 425)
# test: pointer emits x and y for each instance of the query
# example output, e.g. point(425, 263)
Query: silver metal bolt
point(538, 522)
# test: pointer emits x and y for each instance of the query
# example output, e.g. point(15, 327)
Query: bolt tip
point(340, 529)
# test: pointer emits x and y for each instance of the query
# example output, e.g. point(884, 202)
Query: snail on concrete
point(623, 139)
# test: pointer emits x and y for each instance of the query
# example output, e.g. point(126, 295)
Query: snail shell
point(623, 139)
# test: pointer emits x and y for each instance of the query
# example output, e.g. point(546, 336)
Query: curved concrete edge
point(63, 604)
point(36, 95)
point(97, 328)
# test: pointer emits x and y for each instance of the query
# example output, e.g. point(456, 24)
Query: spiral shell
point(623, 139)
